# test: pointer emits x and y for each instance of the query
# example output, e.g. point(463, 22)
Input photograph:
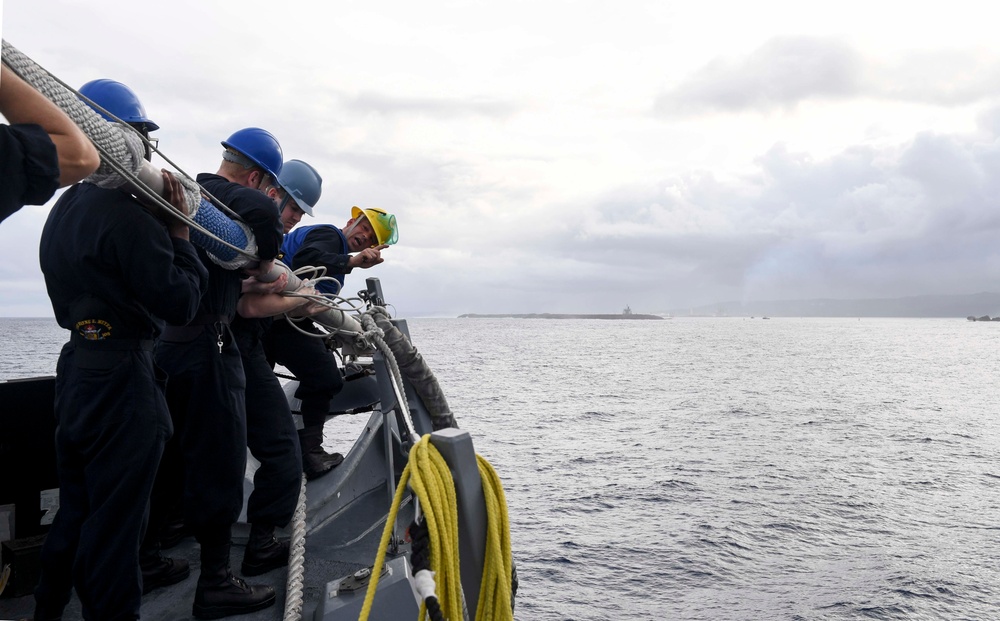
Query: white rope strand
point(296, 559)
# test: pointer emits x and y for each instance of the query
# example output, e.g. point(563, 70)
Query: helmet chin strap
point(350, 229)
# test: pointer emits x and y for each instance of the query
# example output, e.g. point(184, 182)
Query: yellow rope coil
point(495, 590)
point(430, 479)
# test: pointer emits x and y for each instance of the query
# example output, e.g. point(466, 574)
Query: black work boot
point(264, 552)
point(220, 593)
point(160, 571)
point(315, 461)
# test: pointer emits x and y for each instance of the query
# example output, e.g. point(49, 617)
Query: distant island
point(625, 314)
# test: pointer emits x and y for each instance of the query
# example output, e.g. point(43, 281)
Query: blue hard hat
point(259, 146)
point(301, 181)
point(118, 100)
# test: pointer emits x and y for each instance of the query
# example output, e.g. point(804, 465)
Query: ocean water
point(723, 468)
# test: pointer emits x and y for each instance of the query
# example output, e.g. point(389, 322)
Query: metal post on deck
point(455, 446)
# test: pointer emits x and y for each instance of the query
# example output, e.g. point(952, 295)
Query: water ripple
point(722, 470)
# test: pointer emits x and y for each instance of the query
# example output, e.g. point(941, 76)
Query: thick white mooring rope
point(296, 559)
point(123, 150)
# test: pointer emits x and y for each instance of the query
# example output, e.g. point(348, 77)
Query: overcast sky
point(560, 156)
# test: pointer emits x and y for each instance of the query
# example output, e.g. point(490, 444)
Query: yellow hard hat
point(383, 223)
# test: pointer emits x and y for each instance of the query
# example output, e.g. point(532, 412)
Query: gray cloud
point(784, 72)
point(490, 218)
point(916, 218)
point(780, 74)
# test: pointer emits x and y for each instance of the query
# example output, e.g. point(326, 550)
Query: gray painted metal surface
point(394, 597)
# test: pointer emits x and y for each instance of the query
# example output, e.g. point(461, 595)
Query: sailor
point(42, 151)
point(297, 192)
point(271, 435)
point(114, 273)
point(367, 233)
point(206, 392)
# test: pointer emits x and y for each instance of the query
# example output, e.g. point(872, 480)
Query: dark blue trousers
point(112, 423)
point(205, 394)
point(311, 362)
point(271, 437)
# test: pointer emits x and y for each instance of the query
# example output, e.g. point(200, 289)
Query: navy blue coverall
point(207, 382)
point(271, 434)
point(319, 245)
point(29, 167)
point(112, 273)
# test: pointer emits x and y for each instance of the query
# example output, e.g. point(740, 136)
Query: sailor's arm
point(21, 103)
point(322, 247)
point(265, 300)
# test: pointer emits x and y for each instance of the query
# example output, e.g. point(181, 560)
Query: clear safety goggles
point(384, 223)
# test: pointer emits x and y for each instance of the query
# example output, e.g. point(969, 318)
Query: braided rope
point(423, 577)
point(495, 591)
point(237, 245)
point(413, 366)
point(115, 143)
point(373, 334)
point(296, 559)
point(229, 243)
point(428, 475)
